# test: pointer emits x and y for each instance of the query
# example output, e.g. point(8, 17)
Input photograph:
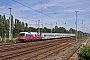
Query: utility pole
point(51, 27)
point(56, 23)
point(42, 27)
point(46, 27)
point(30, 27)
point(46, 24)
point(56, 26)
point(82, 29)
point(18, 27)
point(10, 35)
point(71, 30)
point(38, 26)
point(76, 26)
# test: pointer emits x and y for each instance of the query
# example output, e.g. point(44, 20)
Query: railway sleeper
point(7, 55)
point(16, 54)
point(44, 52)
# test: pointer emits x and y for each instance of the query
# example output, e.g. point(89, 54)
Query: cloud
point(65, 10)
point(2, 6)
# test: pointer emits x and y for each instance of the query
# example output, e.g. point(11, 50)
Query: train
point(33, 36)
point(55, 35)
point(29, 36)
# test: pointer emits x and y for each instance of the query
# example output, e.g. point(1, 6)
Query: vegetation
point(9, 41)
point(18, 26)
point(84, 53)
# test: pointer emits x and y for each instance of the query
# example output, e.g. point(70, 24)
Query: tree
point(17, 26)
point(22, 27)
point(62, 30)
point(31, 29)
point(45, 29)
point(3, 17)
point(55, 29)
point(26, 27)
point(72, 31)
point(0, 18)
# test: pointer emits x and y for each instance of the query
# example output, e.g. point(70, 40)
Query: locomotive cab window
point(22, 34)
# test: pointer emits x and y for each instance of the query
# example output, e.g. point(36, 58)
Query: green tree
point(22, 27)
point(55, 29)
point(3, 26)
point(62, 30)
point(31, 29)
point(26, 27)
point(72, 31)
point(45, 29)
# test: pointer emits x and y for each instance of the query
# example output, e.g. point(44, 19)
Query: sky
point(58, 12)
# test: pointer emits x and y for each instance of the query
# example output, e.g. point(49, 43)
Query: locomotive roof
point(29, 32)
point(33, 32)
point(23, 32)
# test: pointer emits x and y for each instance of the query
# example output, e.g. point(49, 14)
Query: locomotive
point(32, 36)
point(25, 36)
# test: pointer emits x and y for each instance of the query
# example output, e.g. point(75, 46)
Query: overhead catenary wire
point(22, 17)
point(48, 7)
point(14, 6)
point(33, 9)
point(17, 14)
point(21, 10)
point(18, 17)
point(51, 10)
point(44, 23)
point(9, 5)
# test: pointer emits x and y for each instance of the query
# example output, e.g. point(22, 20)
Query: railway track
point(45, 53)
point(10, 47)
point(11, 52)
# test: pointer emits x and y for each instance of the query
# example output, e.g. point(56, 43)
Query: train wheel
point(25, 41)
point(20, 40)
point(16, 41)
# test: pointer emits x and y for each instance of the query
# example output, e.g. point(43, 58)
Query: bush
point(84, 53)
point(9, 41)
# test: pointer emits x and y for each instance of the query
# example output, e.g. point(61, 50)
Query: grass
point(82, 39)
point(8, 41)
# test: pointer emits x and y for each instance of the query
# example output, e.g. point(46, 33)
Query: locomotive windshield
point(22, 34)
